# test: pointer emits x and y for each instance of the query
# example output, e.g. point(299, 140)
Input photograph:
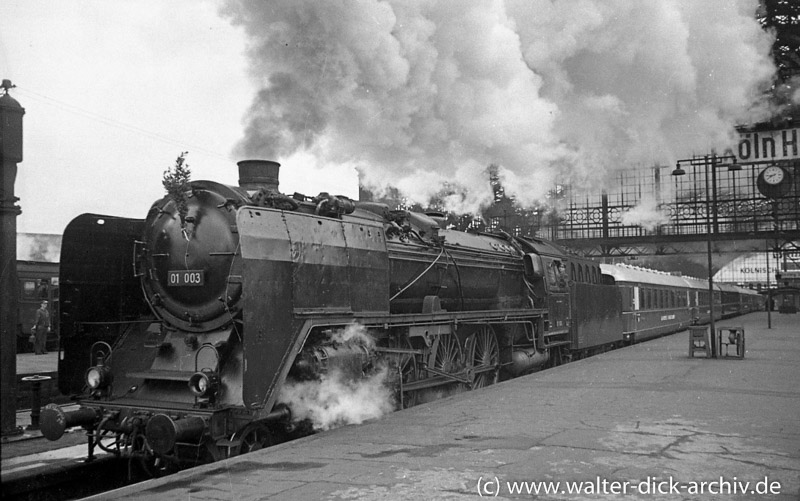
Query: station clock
point(774, 182)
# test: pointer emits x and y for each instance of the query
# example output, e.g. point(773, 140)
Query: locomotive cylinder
point(526, 360)
point(351, 359)
point(162, 432)
point(54, 421)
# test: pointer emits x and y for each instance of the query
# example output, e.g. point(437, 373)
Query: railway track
point(33, 471)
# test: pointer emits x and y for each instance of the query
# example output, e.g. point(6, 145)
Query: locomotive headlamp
point(204, 383)
point(98, 377)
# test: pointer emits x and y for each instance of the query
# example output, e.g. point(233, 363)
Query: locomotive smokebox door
point(193, 277)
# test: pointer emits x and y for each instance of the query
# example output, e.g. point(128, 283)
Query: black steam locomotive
point(179, 332)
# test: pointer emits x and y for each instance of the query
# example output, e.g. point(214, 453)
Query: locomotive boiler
point(179, 331)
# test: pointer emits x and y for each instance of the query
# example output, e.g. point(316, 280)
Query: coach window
point(627, 297)
point(572, 271)
point(29, 289)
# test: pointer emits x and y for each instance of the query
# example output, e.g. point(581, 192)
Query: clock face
point(773, 175)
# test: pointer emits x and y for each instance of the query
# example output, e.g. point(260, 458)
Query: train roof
point(625, 273)
point(745, 290)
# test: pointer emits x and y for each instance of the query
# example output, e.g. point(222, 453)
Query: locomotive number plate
point(179, 278)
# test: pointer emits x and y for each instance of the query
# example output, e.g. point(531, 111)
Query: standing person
point(41, 326)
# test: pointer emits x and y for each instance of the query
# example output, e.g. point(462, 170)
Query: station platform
point(646, 421)
point(29, 363)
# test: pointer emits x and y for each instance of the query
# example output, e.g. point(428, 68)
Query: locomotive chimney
point(257, 174)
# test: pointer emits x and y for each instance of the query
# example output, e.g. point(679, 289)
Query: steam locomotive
point(180, 331)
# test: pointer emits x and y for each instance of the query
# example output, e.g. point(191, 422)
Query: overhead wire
point(70, 108)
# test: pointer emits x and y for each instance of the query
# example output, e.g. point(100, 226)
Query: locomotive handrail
point(458, 275)
point(117, 322)
point(376, 319)
point(139, 250)
point(418, 276)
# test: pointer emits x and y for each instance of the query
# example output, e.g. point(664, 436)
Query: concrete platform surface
point(30, 363)
point(643, 422)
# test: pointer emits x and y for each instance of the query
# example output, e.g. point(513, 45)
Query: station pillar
point(10, 154)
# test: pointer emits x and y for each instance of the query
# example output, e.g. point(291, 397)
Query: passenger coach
point(656, 303)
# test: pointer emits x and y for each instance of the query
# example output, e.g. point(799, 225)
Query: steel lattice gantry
point(650, 212)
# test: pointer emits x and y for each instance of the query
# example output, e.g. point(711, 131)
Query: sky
point(418, 95)
point(113, 92)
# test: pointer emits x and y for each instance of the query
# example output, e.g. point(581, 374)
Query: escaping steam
point(646, 214)
point(416, 94)
point(338, 399)
point(353, 333)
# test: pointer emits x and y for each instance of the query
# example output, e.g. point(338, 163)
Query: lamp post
point(710, 163)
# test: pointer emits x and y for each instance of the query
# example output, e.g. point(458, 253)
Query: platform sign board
point(768, 145)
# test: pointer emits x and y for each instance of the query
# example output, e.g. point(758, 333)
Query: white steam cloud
point(338, 398)
point(646, 214)
point(424, 94)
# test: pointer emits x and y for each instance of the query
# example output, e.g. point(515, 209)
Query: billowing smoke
point(337, 398)
point(38, 247)
point(353, 333)
point(423, 94)
point(646, 214)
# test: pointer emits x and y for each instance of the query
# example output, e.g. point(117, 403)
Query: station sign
point(768, 145)
point(753, 270)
